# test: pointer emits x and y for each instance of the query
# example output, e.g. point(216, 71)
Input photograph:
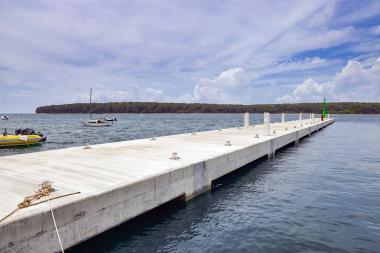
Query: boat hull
point(19, 140)
point(92, 124)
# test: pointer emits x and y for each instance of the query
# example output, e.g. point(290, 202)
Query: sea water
point(322, 195)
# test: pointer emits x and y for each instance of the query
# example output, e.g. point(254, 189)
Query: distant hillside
point(153, 107)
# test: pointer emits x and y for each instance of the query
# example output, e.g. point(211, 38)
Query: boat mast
point(90, 103)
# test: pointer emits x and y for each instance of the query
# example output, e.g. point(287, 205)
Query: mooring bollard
point(87, 146)
point(267, 122)
point(174, 156)
point(246, 119)
point(227, 143)
point(282, 117)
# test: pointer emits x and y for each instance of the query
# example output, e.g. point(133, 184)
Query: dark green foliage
point(153, 107)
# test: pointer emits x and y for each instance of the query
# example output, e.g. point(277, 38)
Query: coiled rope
point(45, 188)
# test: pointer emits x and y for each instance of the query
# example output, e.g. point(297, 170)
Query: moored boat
point(4, 117)
point(96, 123)
point(109, 119)
point(22, 137)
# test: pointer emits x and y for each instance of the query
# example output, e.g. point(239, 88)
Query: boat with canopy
point(22, 137)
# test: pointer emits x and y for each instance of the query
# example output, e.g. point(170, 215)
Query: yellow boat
point(19, 140)
point(22, 137)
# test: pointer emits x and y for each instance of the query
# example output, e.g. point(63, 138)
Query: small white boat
point(109, 119)
point(4, 117)
point(96, 123)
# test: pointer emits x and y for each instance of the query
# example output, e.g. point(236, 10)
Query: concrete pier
point(119, 181)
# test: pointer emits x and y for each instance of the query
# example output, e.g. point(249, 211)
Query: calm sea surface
point(322, 195)
point(65, 131)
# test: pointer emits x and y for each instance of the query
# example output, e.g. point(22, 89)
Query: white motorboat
point(4, 117)
point(109, 119)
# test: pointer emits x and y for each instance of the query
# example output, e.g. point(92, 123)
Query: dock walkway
point(119, 181)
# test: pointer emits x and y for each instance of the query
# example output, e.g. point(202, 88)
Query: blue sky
point(249, 52)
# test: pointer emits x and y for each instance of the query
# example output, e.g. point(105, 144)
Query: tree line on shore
point(157, 107)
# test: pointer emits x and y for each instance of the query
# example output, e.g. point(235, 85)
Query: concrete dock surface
point(121, 180)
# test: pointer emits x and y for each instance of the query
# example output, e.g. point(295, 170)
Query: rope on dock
point(55, 224)
point(28, 200)
point(44, 191)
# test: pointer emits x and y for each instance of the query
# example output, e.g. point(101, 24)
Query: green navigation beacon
point(324, 110)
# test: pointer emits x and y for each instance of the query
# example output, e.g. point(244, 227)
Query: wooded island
point(157, 107)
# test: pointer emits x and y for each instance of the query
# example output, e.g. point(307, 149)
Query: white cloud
point(321, 17)
point(158, 50)
point(222, 88)
point(295, 65)
point(102, 94)
point(360, 12)
point(376, 30)
point(154, 95)
point(310, 87)
point(357, 81)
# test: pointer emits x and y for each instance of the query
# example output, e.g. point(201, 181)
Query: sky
point(244, 52)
